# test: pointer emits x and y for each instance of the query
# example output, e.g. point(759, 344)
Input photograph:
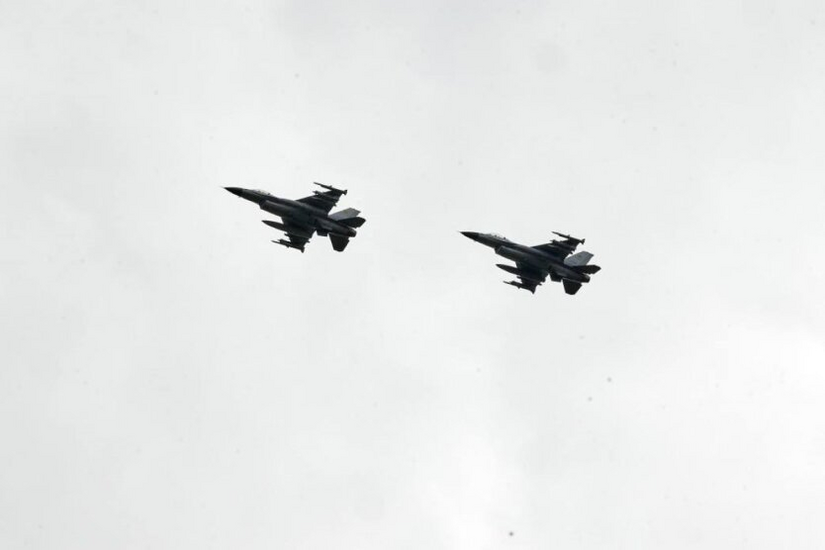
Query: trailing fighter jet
point(535, 263)
point(304, 217)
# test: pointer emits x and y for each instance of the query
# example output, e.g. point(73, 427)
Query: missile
point(330, 188)
point(289, 244)
point(519, 285)
point(290, 230)
point(563, 236)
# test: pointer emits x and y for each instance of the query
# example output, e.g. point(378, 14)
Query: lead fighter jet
point(535, 263)
point(304, 217)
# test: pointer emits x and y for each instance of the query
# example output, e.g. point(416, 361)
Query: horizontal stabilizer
point(571, 287)
point(578, 259)
point(355, 222)
point(590, 269)
point(339, 242)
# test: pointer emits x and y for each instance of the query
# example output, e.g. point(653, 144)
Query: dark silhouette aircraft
point(302, 218)
point(535, 263)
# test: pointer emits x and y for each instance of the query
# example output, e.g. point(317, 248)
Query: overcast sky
point(171, 379)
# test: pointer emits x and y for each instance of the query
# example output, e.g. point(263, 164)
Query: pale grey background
point(170, 379)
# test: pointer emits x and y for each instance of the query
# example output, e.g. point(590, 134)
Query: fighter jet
point(535, 263)
point(302, 218)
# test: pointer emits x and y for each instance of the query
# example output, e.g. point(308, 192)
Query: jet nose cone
point(470, 234)
point(235, 191)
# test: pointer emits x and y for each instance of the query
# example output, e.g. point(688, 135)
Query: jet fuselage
point(294, 209)
point(527, 255)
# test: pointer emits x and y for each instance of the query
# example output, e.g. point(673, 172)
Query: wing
point(323, 200)
point(296, 230)
point(297, 233)
point(529, 274)
point(528, 277)
point(559, 249)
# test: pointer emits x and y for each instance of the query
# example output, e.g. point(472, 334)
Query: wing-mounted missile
point(330, 188)
point(289, 244)
point(569, 238)
point(519, 285)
